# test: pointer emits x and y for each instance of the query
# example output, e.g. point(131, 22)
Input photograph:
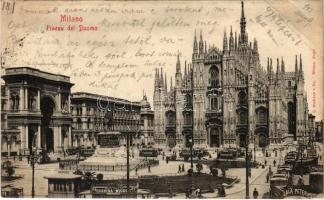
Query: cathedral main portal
point(242, 139)
point(262, 140)
point(215, 137)
point(171, 140)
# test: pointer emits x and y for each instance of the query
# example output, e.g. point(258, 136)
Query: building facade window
point(214, 103)
point(242, 98)
point(14, 101)
point(214, 76)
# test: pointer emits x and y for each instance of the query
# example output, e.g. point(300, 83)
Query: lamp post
point(127, 155)
point(247, 163)
point(191, 144)
point(247, 157)
point(32, 162)
point(254, 156)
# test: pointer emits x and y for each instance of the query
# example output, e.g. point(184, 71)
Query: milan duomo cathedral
point(225, 98)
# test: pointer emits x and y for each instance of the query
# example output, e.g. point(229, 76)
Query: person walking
point(179, 170)
point(183, 169)
point(274, 163)
point(265, 162)
point(136, 171)
point(255, 193)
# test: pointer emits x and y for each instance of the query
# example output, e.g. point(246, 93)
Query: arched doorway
point(47, 106)
point(31, 139)
point(262, 140)
point(242, 138)
point(215, 137)
point(171, 140)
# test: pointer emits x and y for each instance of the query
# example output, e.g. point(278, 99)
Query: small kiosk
point(63, 185)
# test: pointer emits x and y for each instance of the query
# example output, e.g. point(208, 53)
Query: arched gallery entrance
point(47, 106)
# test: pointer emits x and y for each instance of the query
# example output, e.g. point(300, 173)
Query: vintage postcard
point(162, 99)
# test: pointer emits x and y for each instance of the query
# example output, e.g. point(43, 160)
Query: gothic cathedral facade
point(225, 98)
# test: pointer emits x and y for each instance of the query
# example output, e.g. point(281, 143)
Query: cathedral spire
point(195, 44)
point(205, 47)
point(231, 40)
point(235, 42)
point(255, 46)
point(178, 66)
point(278, 69)
point(185, 72)
point(171, 83)
point(296, 66)
point(165, 82)
point(156, 79)
point(161, 79)
point(268, 66)
point(225, 45)
point(300, 64)
point(201, 44)
point(282, 65)
point(242, 23)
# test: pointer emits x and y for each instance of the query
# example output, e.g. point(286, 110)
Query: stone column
point(94, 139)
point(21, 98)
point(8, 146)
point(55, 135)
point(208, 136)
point(69, 103)
point(38, 100)
point(22, 143)
point(39, 137)
point(59, 136)
point(26, 136)
point(8, 98)
point(70, 143)
point(59, 102)
point(26, 98)
point(81, 140)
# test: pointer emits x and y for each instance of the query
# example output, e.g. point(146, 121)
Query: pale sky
point(133, 38)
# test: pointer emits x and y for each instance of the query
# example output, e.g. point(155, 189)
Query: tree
point(8, 168)
point(199, 167)
point(88, 177)
point(190, 172)
point(213, 171)
point(78, 172)
point(10, 171)
point(224, 172)
point(99, 177)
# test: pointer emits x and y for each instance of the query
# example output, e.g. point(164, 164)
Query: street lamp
point(247, 163)
point(254, 156)
point(32, 162)
point(192, 115)
point(191, 144)
point(33, 159)
point(127, 155)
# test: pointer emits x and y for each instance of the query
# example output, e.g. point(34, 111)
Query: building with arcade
point(38, 110)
